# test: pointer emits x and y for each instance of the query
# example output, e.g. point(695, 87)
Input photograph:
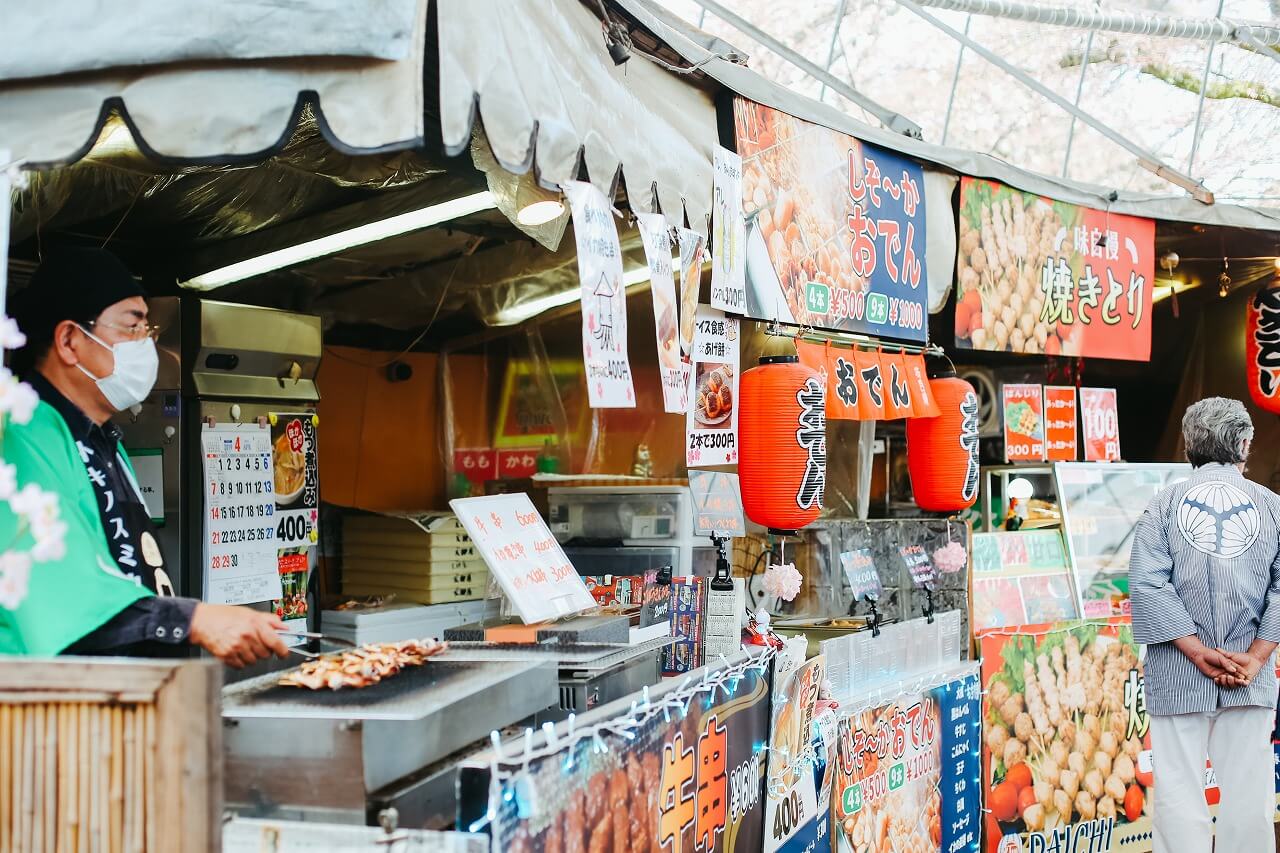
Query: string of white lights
point(615, 729)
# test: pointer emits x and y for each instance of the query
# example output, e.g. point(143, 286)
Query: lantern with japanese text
point(1262, 347)
point(942, 452)
point(782, 435)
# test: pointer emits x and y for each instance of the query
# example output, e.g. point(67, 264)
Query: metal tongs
point(312, 635)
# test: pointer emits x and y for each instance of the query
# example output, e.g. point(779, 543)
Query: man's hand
point(1248, 665)
point(1215, 664)
point(237, 636)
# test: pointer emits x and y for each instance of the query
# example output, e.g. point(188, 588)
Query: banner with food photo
point(835, 228)
point(1040, 276)
point(1023, 407)
point(1067, 751)
point(905, 774)
point(711, 423)
point(688, 780)
point(296, 469)
point(792, 819)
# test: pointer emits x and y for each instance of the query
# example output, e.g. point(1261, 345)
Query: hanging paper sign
point(297, 479)
point(717, 504)
point(821, 358)
point(523, 556)
point(240, 565)
point(843, 384)
point(1060, 423)
point(729, 235)
point(860, 570)
point(916, 559)
point(897, 398)
point(711, 422)
point(836, 228)
point(1045, 277)
point(871, 386)
point(692, 247)
point(1023, 423)
point(673, 370)
point(926, 405)
point(1101, 424)
point(604, 298)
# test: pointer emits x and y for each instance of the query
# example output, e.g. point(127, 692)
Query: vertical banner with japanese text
point(835, 228)
point(1023, 407)
point(1060, 435)
point(295, 461)
point(906, 772)
point(690, 782)
point(792, 820)
point(1040, 276)
point(692, 249)
point(672, 368)
point(728, 235)
point(604, 298)
point(711, 422)
point(1101, 424)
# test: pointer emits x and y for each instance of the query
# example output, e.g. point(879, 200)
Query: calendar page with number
point(240, 565)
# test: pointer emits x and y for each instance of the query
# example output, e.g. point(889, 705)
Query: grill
point(322, 753)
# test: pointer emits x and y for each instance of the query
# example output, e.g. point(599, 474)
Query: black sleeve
point(148, 620)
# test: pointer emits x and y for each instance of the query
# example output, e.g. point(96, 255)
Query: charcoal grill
point(324, 754)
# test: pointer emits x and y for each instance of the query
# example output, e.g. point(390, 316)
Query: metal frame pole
point(831, 48)
point(955, 81)
point(1204, 87)
point(1145, 158)
point(887, 117)
point(1071, 131)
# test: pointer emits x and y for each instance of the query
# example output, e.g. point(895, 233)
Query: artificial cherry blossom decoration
point(36, 509)
point(950, 558)
point(783, 581)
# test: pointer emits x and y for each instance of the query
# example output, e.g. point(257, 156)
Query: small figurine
point(643, 465)
point(758, 632)
point(825, 701)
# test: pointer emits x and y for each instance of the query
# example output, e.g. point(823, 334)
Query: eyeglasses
point(134, 332)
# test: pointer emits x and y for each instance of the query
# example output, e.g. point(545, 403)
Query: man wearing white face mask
point(91, 354)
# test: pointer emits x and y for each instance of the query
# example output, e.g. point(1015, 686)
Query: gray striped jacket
point(1206, 560)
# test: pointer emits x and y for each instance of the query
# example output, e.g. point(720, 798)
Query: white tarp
point(215, 110)
point(548, 96)
point(46, 38)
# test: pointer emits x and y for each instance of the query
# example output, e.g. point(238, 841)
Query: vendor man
point(89, 355)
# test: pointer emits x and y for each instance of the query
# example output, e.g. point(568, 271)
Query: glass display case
point(1101, 503)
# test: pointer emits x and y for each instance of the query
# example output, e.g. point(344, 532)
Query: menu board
point(523, 556)
point(296, 464)
point(1060, 436)
point(240, 565)
point(1020, 578)
point(711, 425)
point(1101, 504)
point(1101, 424)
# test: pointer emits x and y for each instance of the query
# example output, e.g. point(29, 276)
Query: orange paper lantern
point(782, 466)
point(942, 452)
point(1262, 348)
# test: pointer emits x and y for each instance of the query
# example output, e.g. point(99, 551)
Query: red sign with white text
point(1060, 434)
point(518, 463)
point(1023, 423)
point(477, 464)
point(1101, 424)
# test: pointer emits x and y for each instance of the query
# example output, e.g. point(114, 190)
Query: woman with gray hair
point(1204, 584)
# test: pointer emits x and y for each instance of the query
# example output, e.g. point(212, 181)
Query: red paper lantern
point(942, 452)
point(1262, 348)
point(782, 435)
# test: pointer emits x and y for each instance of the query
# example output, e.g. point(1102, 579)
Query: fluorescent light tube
point(534, 307)
point(361, 235)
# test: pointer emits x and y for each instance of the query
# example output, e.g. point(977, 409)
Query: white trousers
point(1238, 742)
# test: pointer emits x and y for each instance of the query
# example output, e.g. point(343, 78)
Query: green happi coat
point(74, 596)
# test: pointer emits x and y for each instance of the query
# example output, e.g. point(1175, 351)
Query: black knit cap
point(71, 284)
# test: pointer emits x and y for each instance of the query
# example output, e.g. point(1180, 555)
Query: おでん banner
point(1067, 753)
point(835, 228)
point(1045, 277)
point(906, 773)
